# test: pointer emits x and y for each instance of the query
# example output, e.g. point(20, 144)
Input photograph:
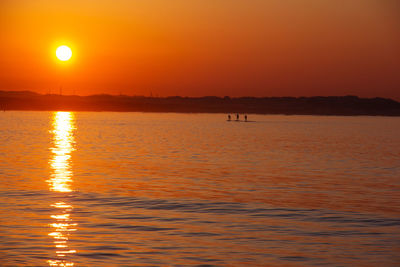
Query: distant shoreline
point(318, 105)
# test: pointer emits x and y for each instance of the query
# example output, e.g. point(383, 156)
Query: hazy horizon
point(150, 94)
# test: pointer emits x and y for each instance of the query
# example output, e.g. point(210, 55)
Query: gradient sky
point(203, 47)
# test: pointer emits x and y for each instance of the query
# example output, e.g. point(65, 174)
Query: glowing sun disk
point(63, 53)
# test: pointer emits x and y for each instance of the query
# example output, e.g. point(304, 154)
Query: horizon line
point(181, 96)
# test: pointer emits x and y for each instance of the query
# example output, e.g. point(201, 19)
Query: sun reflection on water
point(60, 181)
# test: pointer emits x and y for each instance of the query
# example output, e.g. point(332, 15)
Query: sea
point(169, 189)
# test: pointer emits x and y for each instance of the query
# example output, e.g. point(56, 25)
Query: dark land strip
point(317, 105)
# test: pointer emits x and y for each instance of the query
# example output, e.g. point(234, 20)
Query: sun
point(63, 53)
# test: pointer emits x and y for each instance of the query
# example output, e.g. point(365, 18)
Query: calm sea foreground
point(157, 189)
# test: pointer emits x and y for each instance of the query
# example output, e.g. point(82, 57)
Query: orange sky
point(203, 47)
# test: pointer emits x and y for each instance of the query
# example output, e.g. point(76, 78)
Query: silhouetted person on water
point(237, 116)
point(245, 117)
point(229, 117)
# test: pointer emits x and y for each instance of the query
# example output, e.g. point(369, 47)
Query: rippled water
point(148, 189)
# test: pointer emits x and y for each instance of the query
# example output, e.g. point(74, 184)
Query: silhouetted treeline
point(331, 105)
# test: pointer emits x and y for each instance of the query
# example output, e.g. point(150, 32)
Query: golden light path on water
point(61, 181)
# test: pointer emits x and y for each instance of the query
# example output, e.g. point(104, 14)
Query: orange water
point(153, 189)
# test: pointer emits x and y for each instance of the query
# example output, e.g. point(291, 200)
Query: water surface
point(154, 189)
